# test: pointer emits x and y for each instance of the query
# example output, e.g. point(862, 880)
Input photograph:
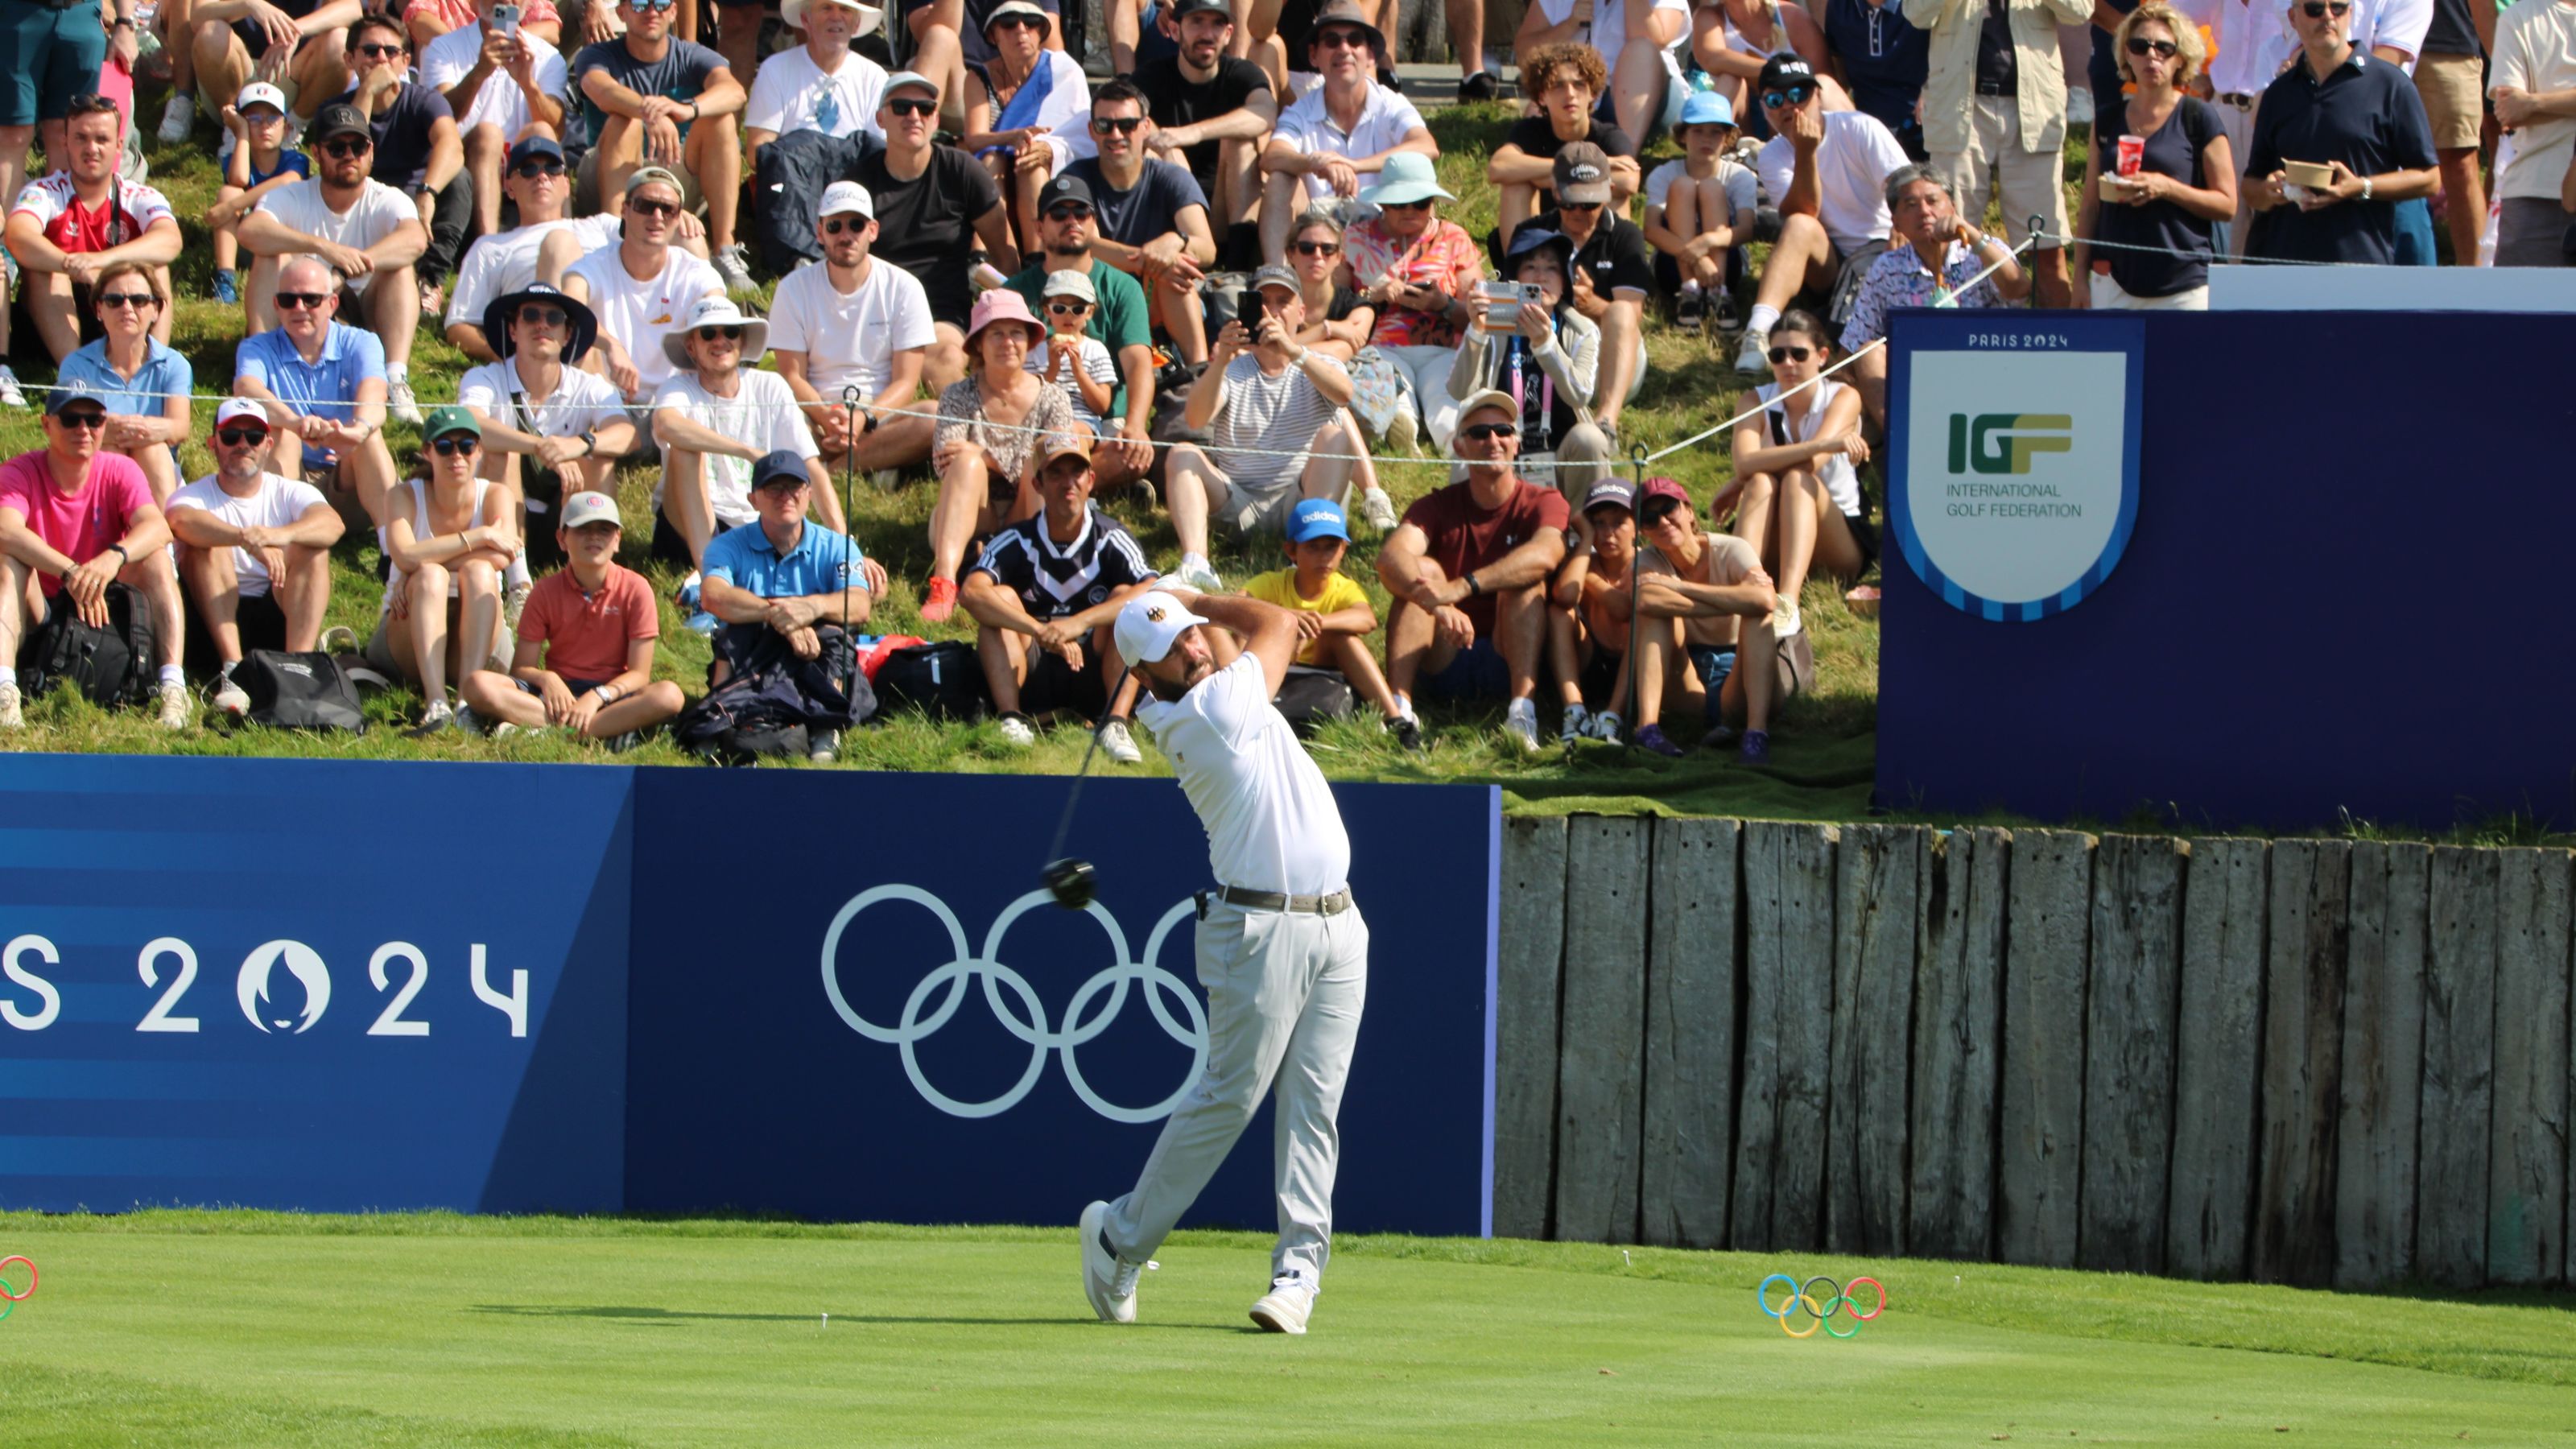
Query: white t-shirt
point(1607, 29)
point(1386, 118)
point(1095, 363)
point(444, 62)
point(763, 413)
point(1271, 821)
point(640, 314)
point(791, 93)
point(377, 213)
point(1739, 183)
point(2536, 50)
point(1853, 163)
point(582, 402)
point(497, 265)
point(279, 503)
point(849, 340)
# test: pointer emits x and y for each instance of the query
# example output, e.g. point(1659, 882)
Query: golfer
point(1281, 950)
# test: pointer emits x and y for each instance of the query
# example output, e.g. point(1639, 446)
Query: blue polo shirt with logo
point(326, 387)
point(822, 562)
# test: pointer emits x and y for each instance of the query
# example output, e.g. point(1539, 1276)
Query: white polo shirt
point(1853, 163)
point(1386, 118)
point(2253, 39)
point(1270, 817)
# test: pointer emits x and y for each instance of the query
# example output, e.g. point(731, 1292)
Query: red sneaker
point(941, 603)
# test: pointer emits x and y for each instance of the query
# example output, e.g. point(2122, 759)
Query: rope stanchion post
point(1636, 535)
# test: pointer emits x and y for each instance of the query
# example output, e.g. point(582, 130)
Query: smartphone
point(1504, 300)
point(505, 19)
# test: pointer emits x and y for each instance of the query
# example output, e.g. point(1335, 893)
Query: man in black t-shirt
point(1150, 218)
point(418, 150)
point(1614, 271)
point(933, 204)
point(1214, 110)
point(1566, 81)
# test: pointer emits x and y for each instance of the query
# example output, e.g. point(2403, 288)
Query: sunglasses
point(2319, 9)
point(530, 170)
point(2140, 45)
point(296, 301)
point(535, 316)
point(648, 7)
point(1423, 205)
point(453, 447)
point(241, 437)
point(839, 227)
point(913, 106)
point(347, 146)
point(1123, 125)
point(1340, 39)
point(653, 208)
point(85, 419)
point(1069, 213)
point(1019, 22)
point(1780, 355)
point(1479, 432)
point(1787, 96)
point(1578, 206)
point(136, 300)
point(719, 334)
point(1319, 249)
point(378, 50)
point(1068, 309)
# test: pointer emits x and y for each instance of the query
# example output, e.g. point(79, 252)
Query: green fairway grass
point(246, 1328)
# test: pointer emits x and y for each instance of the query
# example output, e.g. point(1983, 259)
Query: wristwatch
point(589, 445)
point(2365, 188)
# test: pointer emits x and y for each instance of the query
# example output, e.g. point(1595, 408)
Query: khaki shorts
point(2032, 182)
point(2452, 102)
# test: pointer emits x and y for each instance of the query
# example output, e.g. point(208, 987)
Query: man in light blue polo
point(784, 572)
point(323, 385)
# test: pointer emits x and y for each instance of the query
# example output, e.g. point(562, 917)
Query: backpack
point(944, 681)
point(772, 702)
point(788, 190)
point(111, 666)
point(1309, 696)
point(298, 692)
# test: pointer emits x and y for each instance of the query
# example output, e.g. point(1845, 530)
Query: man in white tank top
point(1282, 950)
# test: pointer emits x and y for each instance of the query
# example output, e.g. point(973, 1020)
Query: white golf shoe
point(1108, 1280)
point(1285, 1307)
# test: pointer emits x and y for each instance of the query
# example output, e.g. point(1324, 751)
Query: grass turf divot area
point(255, 1328)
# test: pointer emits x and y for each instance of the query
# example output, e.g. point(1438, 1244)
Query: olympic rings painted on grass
point(9, 1301)
point(1882, 1298)
point(1820, 1309)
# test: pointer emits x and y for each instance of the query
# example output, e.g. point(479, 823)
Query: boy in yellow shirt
point(1333, 613)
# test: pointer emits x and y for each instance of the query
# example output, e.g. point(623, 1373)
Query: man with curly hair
point(1566, 81)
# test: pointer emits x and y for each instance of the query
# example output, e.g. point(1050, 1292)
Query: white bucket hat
point(717, 312)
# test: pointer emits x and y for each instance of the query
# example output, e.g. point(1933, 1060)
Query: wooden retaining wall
point(2312, 1062)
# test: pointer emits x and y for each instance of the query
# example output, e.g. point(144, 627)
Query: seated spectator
point(2336, 108)
point(2534, 89)
point(1420, 273)
point(822, 85)
point(1548, 356)
point(323, 383)
point(1631, 37)
point(260, 162)
point(1343, 130)
point(427, 20)
point(1883, 59)
point(985, 445)
point(1070, 358)
point(419, 151)
point(717, 417)
point(1047, 588)
point(1797, 498)
point(535, 403)
point(654, 99)
point(1017, 102)
point(1613, 273)
point(1589, 634)
point(1278, 432)
point(853, 320)
point(288, 43)
point(1994, 115)
point(541, 248)
point(254, 552)
point(1150, 219)
point(1468, 575)
point(1700, 210)
point(142, 382)
point(1334, 617)
point(75, 521)
point(2158, 237)
point(787, 574)
point(955, 36)
point(584, 660)
point(643, 289)
point(1212, 109)
point(503, 83)
point(1934, 253)
point(66, 229)
point(933, 204)
point(367, 233)
point(1336, 319)
point(450, 541)
point(1565, 80)
point(1118, 320)
point(1732, 40)
point(1827, 171)
point(1713, 585)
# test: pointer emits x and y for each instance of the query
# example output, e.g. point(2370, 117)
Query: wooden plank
point(1959, 969)
point(2217, 1057)
point(2383, 1063)
point(1692, 951)
point(1529, 962)
point(1878, 892)
point(2049, 917)
point(1601, 1056)
point(2294, 1194)
point(2129, 1022)
point(2527, 1182)
point(2459, 1059)
point(1778, 1202)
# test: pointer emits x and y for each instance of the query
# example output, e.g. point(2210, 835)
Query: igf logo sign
point(2006, 442)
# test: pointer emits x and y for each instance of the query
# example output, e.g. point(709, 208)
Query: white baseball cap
point(584, 508)
point(1148, 624)
point(843, 197)
point(260, 93)
point(237, 408)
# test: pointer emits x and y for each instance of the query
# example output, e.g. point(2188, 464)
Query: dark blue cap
point(781, 464)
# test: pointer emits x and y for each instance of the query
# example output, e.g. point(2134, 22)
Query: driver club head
point(1072, 881)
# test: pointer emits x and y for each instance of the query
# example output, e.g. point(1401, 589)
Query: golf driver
point(1070, 879)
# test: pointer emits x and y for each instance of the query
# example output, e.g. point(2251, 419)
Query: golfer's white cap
point(1149, 623)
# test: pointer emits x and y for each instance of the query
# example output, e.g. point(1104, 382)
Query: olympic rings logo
point(1029, 1023)
point(9, 1301)
point(1802, 1305)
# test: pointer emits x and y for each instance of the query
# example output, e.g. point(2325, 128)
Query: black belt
point(1331, 905)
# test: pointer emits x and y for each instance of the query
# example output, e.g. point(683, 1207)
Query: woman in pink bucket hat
point(986, 443)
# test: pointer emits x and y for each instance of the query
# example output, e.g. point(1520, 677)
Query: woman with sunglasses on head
point(144, 383)
point(1420, 272)
point(450, 540)
point(1797, 499)
point(985, 446)
point(2156, 222)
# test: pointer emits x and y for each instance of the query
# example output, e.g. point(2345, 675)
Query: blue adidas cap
point(1318, 518)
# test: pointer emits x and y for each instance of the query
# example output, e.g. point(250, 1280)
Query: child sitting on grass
point(1333, 614)
point(1700, 208)
point(258, 164)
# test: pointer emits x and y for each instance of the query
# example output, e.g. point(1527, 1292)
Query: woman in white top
point(1797, 498)
point(450, 541)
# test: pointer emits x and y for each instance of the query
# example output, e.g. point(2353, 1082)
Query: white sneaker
point(2079, 106)
point(1520, 722)
point(1577, 725)
point(1605, 726)
point(339, 639)
point(1378, 509)
point(1017, 732)
point(231, 698)
point(825, 747)
point(13, 713)
point(176, 713)
point(399, 401)
point(1195, 573)
point(1285, 1308)
point(177, 117)
point(1785, 622)
point(1118, 744)
point(10, 393)
point(1108, 1280)
point(733, 263)
point(1749, 358)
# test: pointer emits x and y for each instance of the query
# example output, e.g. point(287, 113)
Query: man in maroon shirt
point(1468, 570)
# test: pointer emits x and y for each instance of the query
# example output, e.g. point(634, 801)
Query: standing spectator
point(501, 85)
point(1065, 230)
point(535, 403)
point(363, 228)
point(419, 151)
point(1420, 273)
point(651, 98)
point(1151, 218)
point(1071, 358)
point(323, 382)
point(1733, 40)
point(1700, 210)
point(1468, 574)
point(67, 228)
point(1613, 273)
point(2253, 43)
point(933, 204)
point(2535, 97)
point(822, 85)
point(254, 551)
point(1346, 128)
point(1936, 260)
point(1212, 111)
point(2448, 79)
point(1633, 38)
point(1994, 114)
point(1274, 410)
point(141, 381)
point(289, 43)
point(2337, 107)
point(1047, 589)
point(1827, 171)
point(2160, 223)
point(449, 540)
point(789, 575)
point(643, 289)
point(1797, 498)
point(985, 446)
point(74, 521)
point(716, 417)
point(1016, 104)
point(541, 248)
point(259, 164)
point(853, 320)
point(1548, 357)
point(584, 660)
point(53, 56)
point(1334, 616)
point(1883, 59)
point(1714, 587)
point(1565, 80)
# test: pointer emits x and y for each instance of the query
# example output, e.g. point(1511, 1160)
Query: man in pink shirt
point(76, 521)
point(585, 660)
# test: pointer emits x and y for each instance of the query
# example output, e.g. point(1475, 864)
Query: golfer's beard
point(1170, 691)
